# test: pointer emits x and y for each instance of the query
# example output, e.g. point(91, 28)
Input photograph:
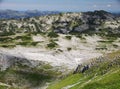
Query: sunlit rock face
point(62, 23)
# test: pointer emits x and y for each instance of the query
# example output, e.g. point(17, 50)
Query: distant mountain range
point(116, 14)
point(8, 14)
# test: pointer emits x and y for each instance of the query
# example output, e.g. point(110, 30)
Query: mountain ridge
point(63, 23)
point(10, 14)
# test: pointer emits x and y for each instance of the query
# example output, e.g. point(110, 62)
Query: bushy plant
point(68, 37)
point(52, 34)
point(52, 45)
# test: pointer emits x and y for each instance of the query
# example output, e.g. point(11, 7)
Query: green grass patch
point(26, 37)
point(52, 34)
point(67, 81)
point(106, 41)
point(52, 45)
point(7, 45)
point(109, 81)
point(27, 43)
point(5, 39)
point(3, 87)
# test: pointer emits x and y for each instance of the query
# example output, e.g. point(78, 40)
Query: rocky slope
point(63, 23)
point(82, 33)
point(53, 45)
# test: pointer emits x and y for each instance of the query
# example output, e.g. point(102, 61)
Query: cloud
point(109, 5)
point(94, 6)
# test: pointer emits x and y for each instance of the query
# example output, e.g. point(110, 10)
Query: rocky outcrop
point(7, 60)
point(96, 64)
point(81, 69)
point(61, 23)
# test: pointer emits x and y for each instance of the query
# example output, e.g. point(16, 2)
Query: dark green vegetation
point(25, 77)
point(69, 49)
point(68, 37)
point(52, 34)
point(75, 23)
point(52, 44)
point(3, 87)
point(103, 73)
point(19, 39)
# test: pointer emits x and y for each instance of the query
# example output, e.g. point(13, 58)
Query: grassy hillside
point(104, 73)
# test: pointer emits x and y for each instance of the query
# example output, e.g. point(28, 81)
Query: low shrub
point(68, 37)
point(52, 34)
point(52, 45)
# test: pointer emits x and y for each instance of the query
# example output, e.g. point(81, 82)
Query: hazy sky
point(61, 5)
